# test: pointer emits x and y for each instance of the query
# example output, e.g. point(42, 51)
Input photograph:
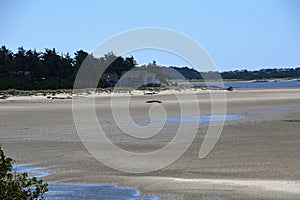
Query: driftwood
point(153, 101)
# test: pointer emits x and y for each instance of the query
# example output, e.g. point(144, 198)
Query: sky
point(237, 34)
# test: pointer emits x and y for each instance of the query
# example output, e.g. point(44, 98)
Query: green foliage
point(18, 186)
point(188, 73)
point(32, 70)
point(262, 74)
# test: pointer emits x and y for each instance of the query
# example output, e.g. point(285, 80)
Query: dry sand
point(256, 157)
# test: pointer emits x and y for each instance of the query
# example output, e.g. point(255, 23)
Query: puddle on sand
point(204, 118)
point(37, 172)
point(81, 191)
point(94, 191)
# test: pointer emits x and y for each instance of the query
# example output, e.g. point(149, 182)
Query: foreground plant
point(18, 186)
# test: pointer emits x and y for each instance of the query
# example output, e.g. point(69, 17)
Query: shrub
point(18, 186)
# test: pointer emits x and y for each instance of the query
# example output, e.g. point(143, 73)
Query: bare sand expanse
point(256, 157)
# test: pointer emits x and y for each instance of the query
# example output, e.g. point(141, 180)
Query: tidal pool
point(94, 191)
point(65, 191)
point(204, 118)
point(37, 172)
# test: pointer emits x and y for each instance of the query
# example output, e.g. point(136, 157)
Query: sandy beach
point(256, 157)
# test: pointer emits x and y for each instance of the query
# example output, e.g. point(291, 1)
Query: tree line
point(271, 73)
point(32, 70)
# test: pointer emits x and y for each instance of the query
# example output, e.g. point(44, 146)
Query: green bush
point(15, 186)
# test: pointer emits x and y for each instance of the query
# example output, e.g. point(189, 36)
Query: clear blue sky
point(237, 34)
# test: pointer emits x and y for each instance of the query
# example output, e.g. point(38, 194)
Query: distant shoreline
point(68, 95)
point(182, 84)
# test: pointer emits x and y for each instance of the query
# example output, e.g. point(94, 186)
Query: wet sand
point(256, 157)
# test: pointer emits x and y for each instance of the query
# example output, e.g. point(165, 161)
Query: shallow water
point(243, 84)
point(94, 191)
point(37, 172)
point(204, 118)
point(207, 118)
point(81, 191)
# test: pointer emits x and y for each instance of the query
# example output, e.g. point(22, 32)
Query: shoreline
point(67, 96)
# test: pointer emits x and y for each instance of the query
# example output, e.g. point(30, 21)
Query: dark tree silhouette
point(30, 70)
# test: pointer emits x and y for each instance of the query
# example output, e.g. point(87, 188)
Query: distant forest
point(32, 70)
